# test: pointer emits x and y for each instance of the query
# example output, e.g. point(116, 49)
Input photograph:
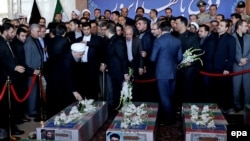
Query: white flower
point(124, 125)
point(211, 124)
point(87, 105)
point(194, 108)
point(205, 109)
point(87, 102)
point(62, 116)
point(203, 118)
point(74, 113)
point(189, 57)
point(132, 115)
point(56, 120)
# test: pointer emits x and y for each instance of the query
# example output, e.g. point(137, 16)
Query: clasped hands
point(21, 69)
point(243, 61)
point(103, 69)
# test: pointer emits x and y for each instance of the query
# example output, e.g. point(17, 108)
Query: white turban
point(77, 12)
point(195, 24)
point(78, 47)
point(85, 10)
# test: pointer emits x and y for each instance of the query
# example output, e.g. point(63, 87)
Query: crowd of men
point(74, 57)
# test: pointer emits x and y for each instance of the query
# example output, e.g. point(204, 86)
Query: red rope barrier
point(222, 75)
point(42, 89)
point(3, 91)
point(145, 81)
point(28, 92)
point(201, 72)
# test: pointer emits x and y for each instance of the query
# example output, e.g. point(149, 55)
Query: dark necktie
point(8, 43)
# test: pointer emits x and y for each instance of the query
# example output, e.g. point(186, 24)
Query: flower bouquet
point(202, 117)
point(63, 119)
point(189, 56)
point(84, 106)
point(132, 115)
point(126, 92)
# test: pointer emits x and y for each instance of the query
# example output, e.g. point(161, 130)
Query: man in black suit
point(116, 63)
point(187, 77)
point(224, 57)
point(21, 78)
point(66, 82)
point(58, 48)
point(75, 31)
point(208, 44)
point(147, 39)
point(124, 13)
point(9, 68)
point(90, 62)
point(135, 60)
point(134, 49)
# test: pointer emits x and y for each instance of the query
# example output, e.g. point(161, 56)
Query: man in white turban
point(64, 86)
point(86, 13)
point(76, 14)
point(78, 50)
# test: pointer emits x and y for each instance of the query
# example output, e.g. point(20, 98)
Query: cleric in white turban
point(64, 86)
point(78, 50)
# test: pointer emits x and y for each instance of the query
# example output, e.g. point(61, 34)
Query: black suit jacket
point(72, 37)
point(18, 50)
point(225, 52)
point(58, 47)
point(137, 61)
point(94, 47)
point(117, 59)
point(130, 21)
point(7, 62)
point(147, 42)
point(208, 45)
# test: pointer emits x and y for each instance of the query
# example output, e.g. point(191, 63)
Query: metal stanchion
point(12, 138)
point(43, 114)
point(103, 86)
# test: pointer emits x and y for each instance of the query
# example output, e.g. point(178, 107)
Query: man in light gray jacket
point(241, 82)
point(34, 59)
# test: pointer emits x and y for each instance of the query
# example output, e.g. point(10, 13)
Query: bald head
point(129, 33)
point(124, 12)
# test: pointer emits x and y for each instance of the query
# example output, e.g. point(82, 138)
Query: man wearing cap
point(75, 14)
point(202, 15)
point(66, 82)
point(240, 9)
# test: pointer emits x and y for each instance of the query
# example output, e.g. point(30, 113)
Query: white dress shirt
point(45, 53)
point(85, 56)
point(129, 50)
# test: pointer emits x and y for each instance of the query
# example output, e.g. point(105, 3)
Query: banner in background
point(35, 14)
point(58, 9)
point(180, 7)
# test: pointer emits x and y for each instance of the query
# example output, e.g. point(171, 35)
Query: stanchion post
point(9, 104)
point(103, 86)
point(42, 112)
point(12, 138)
